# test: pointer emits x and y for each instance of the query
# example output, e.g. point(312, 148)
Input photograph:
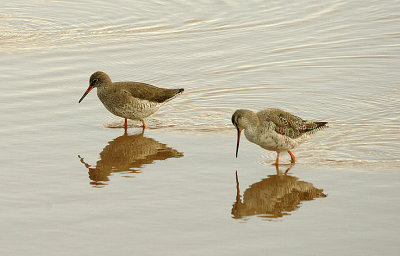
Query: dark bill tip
point(86, 93)
point(238, 140)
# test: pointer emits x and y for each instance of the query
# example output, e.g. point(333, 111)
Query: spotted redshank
point(274, 129)
point(129, 100)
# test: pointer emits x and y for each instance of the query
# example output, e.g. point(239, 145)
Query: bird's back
point(148, 92)
point(287, 124)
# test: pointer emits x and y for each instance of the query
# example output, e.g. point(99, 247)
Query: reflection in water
point(127, 153)
point(273, 197)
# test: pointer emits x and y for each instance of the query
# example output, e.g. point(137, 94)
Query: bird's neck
point(252, 121)
point(104, 87)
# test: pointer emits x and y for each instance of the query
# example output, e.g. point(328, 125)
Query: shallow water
point(74, 185)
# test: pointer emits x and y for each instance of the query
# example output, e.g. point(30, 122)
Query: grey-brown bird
point(129, 100)
point(274, 129)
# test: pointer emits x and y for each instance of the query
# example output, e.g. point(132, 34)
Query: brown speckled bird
point(274, 129)
point(129, 100)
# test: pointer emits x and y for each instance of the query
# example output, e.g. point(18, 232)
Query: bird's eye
point(94, 81)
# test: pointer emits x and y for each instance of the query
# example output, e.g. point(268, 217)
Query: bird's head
point(97, 79)
point(241, 119)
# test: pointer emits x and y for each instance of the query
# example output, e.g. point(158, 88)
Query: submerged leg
point(277, 159)
point(126, 127)
point(143, 127)
point(277, 170)
point(292, 156)
point(290, 167)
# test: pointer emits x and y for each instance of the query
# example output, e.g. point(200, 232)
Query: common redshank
point(129, 100)
point(274, 129)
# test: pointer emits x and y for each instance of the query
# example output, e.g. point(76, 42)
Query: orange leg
point(290, 167)
point(277, 159)
point(277, 170)
point(126, 123)
point(292, 156)
point(144, 125)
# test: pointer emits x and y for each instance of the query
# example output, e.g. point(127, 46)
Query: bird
point(274, 129)
point(129, 100)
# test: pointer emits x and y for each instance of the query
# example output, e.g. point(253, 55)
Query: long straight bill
point(238, 139)
point(87, 91)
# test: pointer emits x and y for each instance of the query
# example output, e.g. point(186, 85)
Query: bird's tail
point(320, 125)
point(315, 126)
point(173, 93)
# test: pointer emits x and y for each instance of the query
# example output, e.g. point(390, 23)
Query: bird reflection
point(127, 153)
point(274, 197)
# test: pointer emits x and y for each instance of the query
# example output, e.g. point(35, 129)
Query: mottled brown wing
point(290, 125)
point(149, 92)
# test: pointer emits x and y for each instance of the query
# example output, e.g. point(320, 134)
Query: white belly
point(271, 140)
